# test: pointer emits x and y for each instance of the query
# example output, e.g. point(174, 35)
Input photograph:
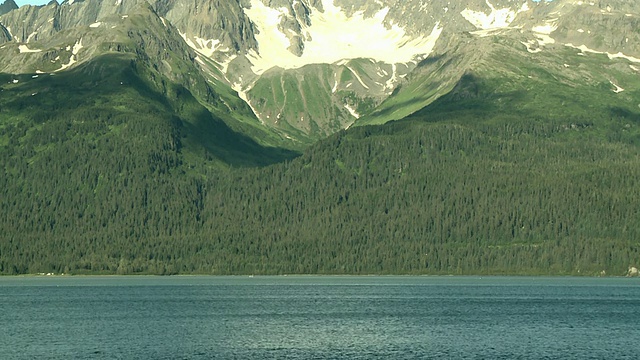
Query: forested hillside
point(461, 189)
point(152, 139)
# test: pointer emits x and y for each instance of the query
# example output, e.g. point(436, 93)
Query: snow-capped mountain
point(308, 68)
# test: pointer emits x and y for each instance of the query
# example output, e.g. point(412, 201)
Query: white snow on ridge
point(25, 49)
point(95, 25)
point(611, 56)
point(496, 19)
point(547, 28)
point(334, 37)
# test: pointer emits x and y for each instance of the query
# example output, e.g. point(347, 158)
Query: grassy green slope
point(557, 82)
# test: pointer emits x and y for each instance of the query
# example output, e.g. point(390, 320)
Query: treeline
point(108, 193)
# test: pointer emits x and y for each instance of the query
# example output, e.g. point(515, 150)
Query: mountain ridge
point(248, 38)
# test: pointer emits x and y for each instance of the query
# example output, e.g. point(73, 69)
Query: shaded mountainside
point(138, 138)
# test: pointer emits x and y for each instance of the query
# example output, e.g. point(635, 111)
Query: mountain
point(318, 136)
point(310, 68)
point(7, 6)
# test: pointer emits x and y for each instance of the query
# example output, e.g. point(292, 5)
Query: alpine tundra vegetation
point(320, 136)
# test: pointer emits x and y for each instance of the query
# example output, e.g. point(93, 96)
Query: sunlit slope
point(563, 83)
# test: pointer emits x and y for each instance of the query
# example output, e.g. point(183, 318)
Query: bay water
point(319, 317)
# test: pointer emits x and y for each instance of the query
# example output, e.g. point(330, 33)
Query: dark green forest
point(147, 186)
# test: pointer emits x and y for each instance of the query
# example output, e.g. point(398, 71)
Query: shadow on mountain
point(471, 98)
point(626, 114)
point(112, 86)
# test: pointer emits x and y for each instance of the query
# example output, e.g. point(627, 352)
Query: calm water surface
point(319, 318)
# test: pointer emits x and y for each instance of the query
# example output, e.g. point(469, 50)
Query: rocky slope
point(308, 68)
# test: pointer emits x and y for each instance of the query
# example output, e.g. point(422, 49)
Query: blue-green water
point(319, 318)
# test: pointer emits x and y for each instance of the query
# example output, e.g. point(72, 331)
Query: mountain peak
point(7, 6)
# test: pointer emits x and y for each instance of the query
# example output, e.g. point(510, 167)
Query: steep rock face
point(213, 27)
point(39, 23)
point(4, 34)
point(140, 33)
point(7, 6)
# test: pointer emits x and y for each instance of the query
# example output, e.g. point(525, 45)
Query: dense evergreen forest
point(90, 189)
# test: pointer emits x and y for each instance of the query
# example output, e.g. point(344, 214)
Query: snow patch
point(352, 111)
point(391, 83)
point(225, 64)
point(72, 60)
point(333, 36)
point(358, 77)
point(15, 81)
point(31, 36)
point(95, 25)
point(619, 55)
point(206, 47)
point(496, 19)
point(541, 32)
point(76, 47)
point(118, 2)
point(242, 94)
point(25, 49)
point(617, 89)
point(487, 32)
point(634, 68)
point(531, 46)
point(547, 28)
point(164, 22)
